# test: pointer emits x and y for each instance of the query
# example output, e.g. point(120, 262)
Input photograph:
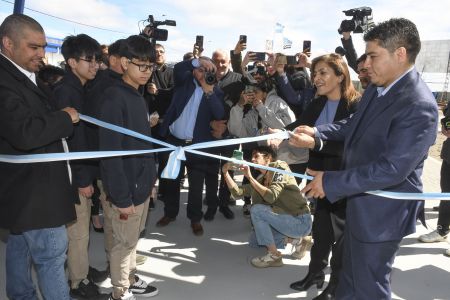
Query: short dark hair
point(138, 47)
point(80, 45)
point(14, 24)
point(361, 59)
point(188, 56)
point(49, 74)
point(395, 33)
point(266, 85)
point(265, 151)
point(114, 48)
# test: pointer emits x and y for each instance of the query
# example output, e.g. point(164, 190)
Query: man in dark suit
point(36, 200)
point(195, 104)
point(385, 144)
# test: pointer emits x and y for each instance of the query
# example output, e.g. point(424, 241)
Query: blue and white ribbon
point(178, 154)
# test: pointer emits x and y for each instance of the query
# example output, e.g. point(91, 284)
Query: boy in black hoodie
point(82, 54)
point(128, 180)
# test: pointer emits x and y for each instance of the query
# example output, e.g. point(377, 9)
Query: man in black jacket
point(357, 64)
point(159, 96)
point(82, 55)
point(231, 85)
point(36, 199)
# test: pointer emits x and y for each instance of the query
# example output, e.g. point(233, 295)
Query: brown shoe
point(164, 221)
point(197, 228)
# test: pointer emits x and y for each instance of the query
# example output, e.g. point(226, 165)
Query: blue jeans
point(46, 249)
point(270, 226)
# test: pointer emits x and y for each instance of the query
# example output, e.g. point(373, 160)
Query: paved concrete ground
point(216, 265)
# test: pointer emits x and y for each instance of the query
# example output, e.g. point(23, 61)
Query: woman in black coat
point(337, 100)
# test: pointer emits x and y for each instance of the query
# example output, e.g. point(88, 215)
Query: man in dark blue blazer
point(195, 103)
point(386, 143)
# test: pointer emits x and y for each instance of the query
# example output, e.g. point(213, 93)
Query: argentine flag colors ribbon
point(178, 154)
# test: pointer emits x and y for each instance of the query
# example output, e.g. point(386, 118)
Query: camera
point(152, 32)
point(261, 70)
point(210, 78)
point(361, 22)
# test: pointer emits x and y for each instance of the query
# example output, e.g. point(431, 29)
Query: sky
point(222, 21)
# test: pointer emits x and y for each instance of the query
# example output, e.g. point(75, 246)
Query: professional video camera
point(152, 32)
point(361, 22)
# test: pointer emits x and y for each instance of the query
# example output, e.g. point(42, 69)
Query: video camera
point(361, 22)
point(152, 32)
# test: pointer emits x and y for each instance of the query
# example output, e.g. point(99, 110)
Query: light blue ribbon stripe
point(391, 195)
point(244, 162)
point(124, 131)
point(411, 196)
point(48, 157)
point(278, 135)
point(174, 163)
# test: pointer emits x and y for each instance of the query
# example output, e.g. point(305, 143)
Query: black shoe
point(328, 293)
point(97, 276)
point(210, 213)
point(164, 221)
point(87, 290)
point(197, 228)
point(160, 196)
point(142, 289)
point(308, 281)
point(151, 204)
point(97, 229)
point(227, 213)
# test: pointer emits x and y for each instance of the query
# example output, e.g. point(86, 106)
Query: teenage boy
point(128, 180)
point(81, 54)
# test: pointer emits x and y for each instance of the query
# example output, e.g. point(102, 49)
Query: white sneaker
point(268, 260)
point(301, 246)
point(432, 237)
point(126, 296)
point(142, 289)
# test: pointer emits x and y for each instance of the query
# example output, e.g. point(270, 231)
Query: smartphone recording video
point(260, 56)
point(306, 46)
point(199, 41)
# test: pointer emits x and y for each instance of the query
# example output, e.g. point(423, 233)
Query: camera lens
point(210, 78)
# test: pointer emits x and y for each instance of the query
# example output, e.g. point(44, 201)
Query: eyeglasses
point(92, 62)
point(144, 67)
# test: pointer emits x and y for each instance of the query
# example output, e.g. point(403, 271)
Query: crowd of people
point(350, 141)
